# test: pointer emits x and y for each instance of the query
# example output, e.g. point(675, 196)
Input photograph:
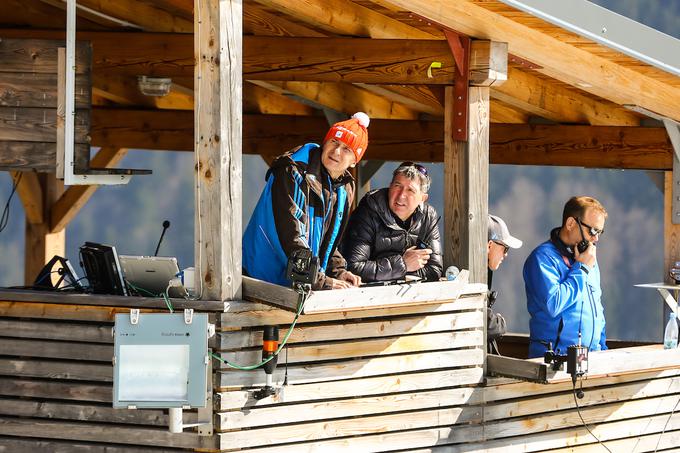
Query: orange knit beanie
point(352, 133)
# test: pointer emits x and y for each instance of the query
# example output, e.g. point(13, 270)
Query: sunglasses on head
point(422, 170)
point(591, 230)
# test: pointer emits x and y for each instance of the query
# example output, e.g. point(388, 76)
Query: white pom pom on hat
point(363, 119)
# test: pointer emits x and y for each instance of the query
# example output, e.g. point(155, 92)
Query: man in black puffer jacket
point(393, 232)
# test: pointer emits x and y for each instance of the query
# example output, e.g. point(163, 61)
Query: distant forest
point(530, 199)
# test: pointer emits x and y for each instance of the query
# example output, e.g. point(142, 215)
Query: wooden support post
point(218, 133)
point(466, 186)
point(41, 244)
point(466, 163)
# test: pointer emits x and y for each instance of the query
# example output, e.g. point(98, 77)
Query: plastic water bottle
point(670, 335)
point(452, 272)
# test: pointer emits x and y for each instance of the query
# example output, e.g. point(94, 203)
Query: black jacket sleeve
point(434, 267)
point(358, 247)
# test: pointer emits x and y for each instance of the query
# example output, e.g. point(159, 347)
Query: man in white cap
point(500, 241)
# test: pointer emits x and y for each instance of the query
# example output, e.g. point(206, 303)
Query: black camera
point(302, 267)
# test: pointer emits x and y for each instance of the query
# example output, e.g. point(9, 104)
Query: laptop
point(150, 273)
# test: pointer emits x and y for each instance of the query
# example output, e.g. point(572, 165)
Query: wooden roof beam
point(423, 98)
point(580, 146)
point(144, 15)
point(257, 21)
point(124, 90)
point(347, 60)
point(343, 97)
point(347, 18)
point(560, 60)
point(503, 113)
point(261, 100)
point(540, 97)
point(91, 15)
point(559, 145)
point(39, 14)
point(360, 60)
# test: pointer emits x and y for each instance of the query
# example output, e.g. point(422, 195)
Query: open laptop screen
point(149, 273)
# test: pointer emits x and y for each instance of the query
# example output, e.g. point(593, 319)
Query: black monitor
point(102, 268)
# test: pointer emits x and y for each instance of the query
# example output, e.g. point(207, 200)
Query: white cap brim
point(512, 242)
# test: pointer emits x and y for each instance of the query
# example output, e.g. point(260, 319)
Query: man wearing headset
point(562, 282)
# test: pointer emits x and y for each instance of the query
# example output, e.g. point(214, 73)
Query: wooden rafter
point(75, 197)
point(558, 103)
point(582, 146)
point(560, 60)
point(346, 18)
point(36, 13)
point(347, 60)
point(258, 21)
point(344, 98)
point(124, 90)
point(119, 89)
point(270, 58)
point(145, 15)
point(503, 113)
point(423, 98)
point(261, 100)
point(143, 129)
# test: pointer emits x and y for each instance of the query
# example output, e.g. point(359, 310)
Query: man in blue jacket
point(562, 282)
point(305, 205)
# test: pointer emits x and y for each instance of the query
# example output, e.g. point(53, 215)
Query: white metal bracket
point(188, 315)
point(70, 178)
point(134, 316)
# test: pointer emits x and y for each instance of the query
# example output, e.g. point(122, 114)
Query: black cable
point(72, 285)
point(4, 219)
point(578, 409)
point(666, 425)
point(285, 376)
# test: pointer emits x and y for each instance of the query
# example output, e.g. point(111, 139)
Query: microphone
point(166, 225)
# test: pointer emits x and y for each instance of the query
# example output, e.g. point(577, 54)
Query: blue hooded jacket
point(563, 297)
point(300, 207)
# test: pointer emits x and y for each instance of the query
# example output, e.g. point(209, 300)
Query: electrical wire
point(72, 285)
point(4, 219)
point(578, 409)
point(301, 305)
point(164, 295)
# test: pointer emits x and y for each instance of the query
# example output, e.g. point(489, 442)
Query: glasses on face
point(422, 170)
point(592, 231)
point(505, 247)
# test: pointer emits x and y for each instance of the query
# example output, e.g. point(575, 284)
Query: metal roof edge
point(609, 29)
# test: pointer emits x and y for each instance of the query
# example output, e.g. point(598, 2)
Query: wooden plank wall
point(627, 412)
point(366, 380)
point(28, 103)
point(56, 385)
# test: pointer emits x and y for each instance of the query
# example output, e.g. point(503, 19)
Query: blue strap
point(342, 200)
